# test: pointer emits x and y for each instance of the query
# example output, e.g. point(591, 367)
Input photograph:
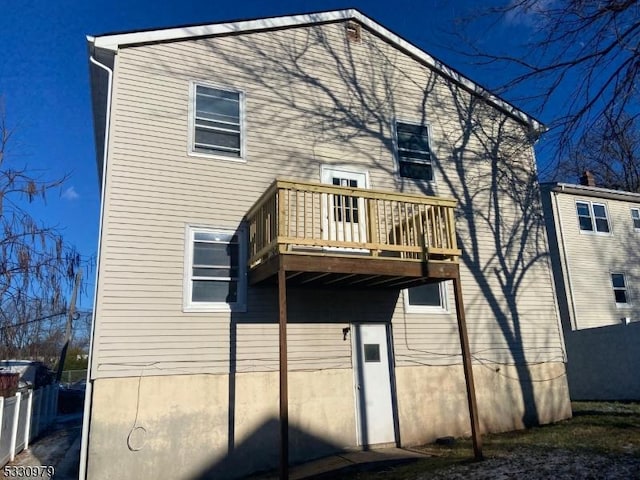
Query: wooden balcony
point(341, 236)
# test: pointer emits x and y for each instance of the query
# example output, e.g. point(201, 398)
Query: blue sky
point(45, 84)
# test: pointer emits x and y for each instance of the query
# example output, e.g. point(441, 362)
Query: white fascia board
point(113, 42)
point(595, 191)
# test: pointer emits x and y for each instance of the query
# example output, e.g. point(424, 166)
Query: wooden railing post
point(372, 223)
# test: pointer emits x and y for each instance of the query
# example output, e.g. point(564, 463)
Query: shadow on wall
point(260, 452)
point(348, 104)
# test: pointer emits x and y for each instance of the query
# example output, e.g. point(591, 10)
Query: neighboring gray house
point(293, 209)
point(594, 234)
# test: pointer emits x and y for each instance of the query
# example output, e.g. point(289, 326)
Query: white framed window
point(215, 269)
point(413, 151)
point(427, 298)
point(216, 122)
point(593, 217)
point(620, 290)
point(635, 218)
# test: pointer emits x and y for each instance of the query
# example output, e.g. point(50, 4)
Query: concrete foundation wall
point(179, 427)
point(432, 401)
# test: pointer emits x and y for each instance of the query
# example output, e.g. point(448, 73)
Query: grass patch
point(607, 428)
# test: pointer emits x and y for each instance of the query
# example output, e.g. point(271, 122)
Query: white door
point(374, 417)
point(344, 216)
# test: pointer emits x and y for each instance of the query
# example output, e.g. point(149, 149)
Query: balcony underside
point(351, 271)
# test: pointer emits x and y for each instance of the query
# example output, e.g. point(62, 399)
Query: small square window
point(371, 352)
point(414, 153)
point(635, 217)
point(216, 118)
point(592, 217)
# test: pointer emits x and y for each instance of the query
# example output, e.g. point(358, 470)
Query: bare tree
point(36, 266)
point(579, 60)
point(611, 151)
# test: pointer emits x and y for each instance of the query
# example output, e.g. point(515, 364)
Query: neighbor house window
point(619, 282)
point(592, 217)
point(431, 297)
point(215, 269)
point(414, 154)
point(635, 217)
point(217, 122)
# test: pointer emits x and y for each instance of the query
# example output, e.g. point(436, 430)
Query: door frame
point(392, 382)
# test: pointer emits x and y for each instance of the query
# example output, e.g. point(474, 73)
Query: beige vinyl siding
point(307, 103)
point(591, 258)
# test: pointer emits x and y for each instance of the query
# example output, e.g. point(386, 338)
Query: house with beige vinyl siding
point(594, 235)
point(297, 214)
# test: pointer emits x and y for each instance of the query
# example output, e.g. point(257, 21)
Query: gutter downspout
point(565, 260)
point(84, 445)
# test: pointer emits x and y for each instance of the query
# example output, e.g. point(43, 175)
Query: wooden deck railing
point(314, 218)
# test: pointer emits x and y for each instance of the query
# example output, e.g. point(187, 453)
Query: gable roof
point(114, 41)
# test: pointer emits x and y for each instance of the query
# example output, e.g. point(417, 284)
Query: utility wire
point(14, 325)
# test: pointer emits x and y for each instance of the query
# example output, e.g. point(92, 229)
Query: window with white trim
point(428, 298)
point(620, 293)
point(593, 217)
point(216, 121)
point(414, 153)
point(635, 217)
point(215, 272)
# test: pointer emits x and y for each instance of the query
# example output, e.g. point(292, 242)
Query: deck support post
point(284, 393)
point(468, 369)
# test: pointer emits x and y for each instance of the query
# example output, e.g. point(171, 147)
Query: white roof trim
point(593, 191)
point(114, 41)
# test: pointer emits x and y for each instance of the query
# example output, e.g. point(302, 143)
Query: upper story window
point(619, 282)
point(592, 217)
point(414, 154)
point(216, 122)
point(635, 217)
point(428, 298)
point(215, 275)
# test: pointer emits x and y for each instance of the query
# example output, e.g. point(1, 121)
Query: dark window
point(371, 352)
point(635, 216)
point(428, 295)
point(414, 154)
point(592, 217)
point(619, 283)
point(215, 267)
point(217, 122)
point(345, 207)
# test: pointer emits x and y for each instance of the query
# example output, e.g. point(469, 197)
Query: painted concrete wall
point(179, 427)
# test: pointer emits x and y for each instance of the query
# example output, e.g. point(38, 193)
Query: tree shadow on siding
point(325, 100)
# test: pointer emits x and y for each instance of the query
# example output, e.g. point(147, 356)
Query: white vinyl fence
point(23, 418)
